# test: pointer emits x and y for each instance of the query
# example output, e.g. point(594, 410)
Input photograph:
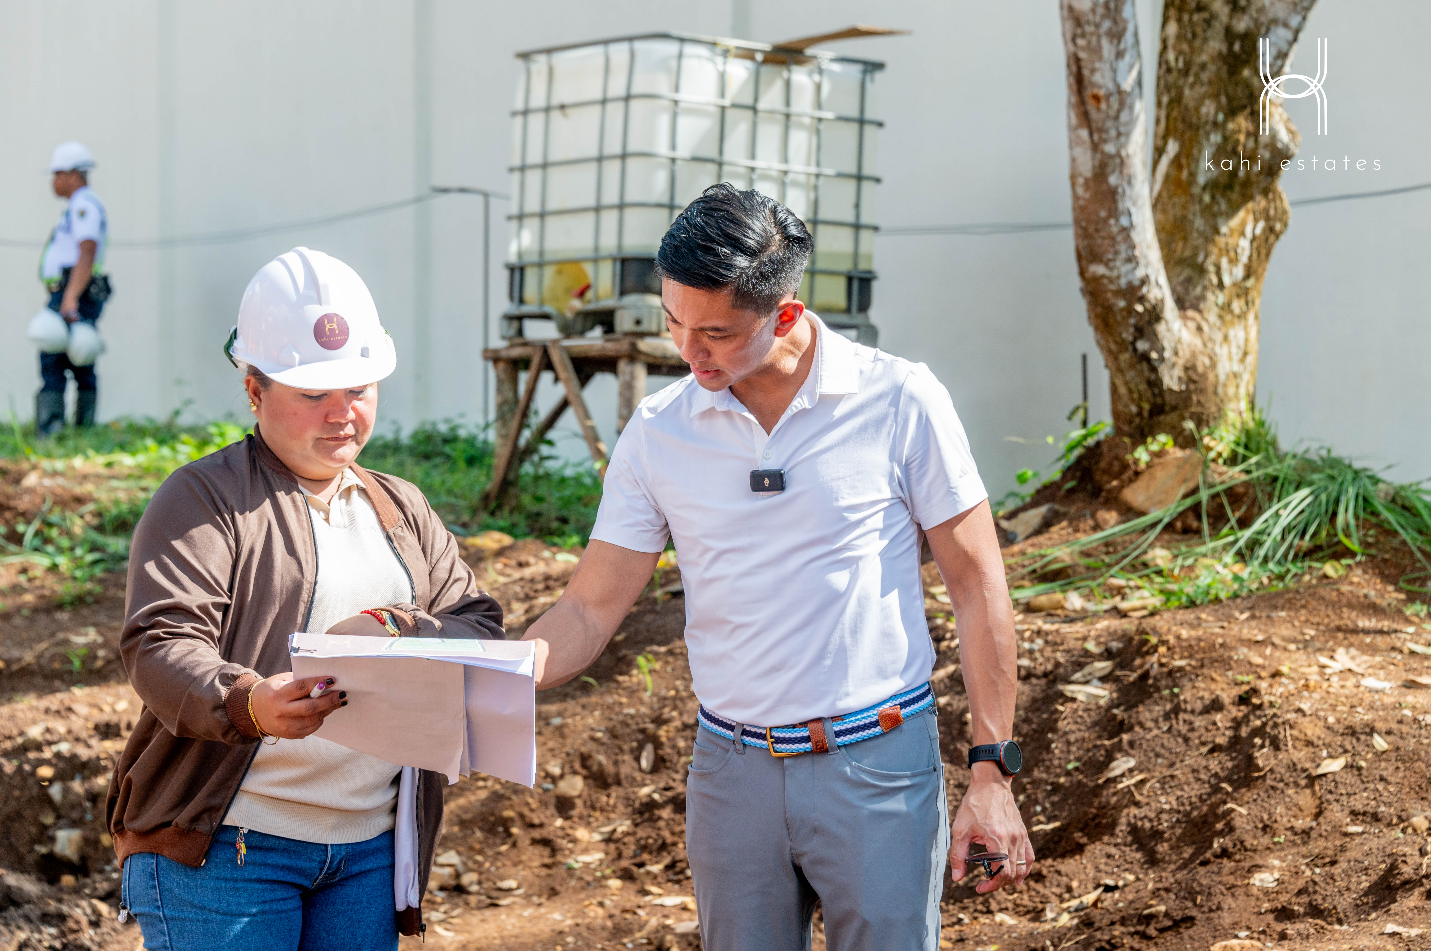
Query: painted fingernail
point(329, 682)
point(342, 695)
point(343, 704)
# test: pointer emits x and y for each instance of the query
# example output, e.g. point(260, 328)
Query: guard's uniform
point(816, 770)
point(83, 219)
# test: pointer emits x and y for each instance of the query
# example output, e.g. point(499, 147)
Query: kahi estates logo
point(1278, 86)
point(1289, 86)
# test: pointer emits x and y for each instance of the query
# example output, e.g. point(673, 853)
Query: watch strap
point(989, 752)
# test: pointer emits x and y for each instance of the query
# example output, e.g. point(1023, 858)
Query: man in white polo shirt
point(794, 471)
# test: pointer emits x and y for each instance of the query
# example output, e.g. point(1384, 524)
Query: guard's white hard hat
point(308, 321)
point(85, 344)
point(71, 157)
point(49, 332)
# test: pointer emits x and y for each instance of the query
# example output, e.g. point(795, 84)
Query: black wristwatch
point(1007, 754)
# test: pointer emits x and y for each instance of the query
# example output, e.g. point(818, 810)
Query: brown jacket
point(221, 570)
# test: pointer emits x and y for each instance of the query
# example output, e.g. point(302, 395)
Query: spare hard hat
point(71, 157)
point(48, 331)
point(308, 321)
point(85, 344)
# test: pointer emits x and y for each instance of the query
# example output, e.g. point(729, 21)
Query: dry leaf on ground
point(1117, 768)
point(1084, 692)
point(1329, 766)
point(1097, 670)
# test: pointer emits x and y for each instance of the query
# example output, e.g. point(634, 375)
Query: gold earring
point(252, 406)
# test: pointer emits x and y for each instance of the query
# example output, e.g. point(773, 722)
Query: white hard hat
point(307, 320)
point(48, 331)
point(85, 344)
point(71, 157)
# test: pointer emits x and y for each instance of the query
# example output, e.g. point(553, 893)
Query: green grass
point(1267, 518)
point(449, 462)
point(82, 544)
point(452, 464)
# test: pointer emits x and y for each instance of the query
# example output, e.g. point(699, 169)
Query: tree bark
point(1185, 351)
point(1217, 227)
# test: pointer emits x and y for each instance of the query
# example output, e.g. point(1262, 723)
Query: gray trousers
point(863, 830)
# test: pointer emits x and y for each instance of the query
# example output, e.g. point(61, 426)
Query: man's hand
point(282, 707)
point(988, 815)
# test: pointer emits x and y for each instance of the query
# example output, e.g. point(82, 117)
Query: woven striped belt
point(810, 738)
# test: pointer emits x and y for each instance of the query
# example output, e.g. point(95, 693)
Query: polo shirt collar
point(835, 373)
point(346, 481)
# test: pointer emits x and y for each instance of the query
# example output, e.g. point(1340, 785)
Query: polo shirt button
point(767, 453)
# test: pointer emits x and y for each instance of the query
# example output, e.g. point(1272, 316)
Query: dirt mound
point(1217, 828)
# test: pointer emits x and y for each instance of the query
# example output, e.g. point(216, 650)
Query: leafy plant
point(1282, 514)
point(1142, 455)
point(1075, 441)
point(645, 663)
point(76, 656)
point(452, 464)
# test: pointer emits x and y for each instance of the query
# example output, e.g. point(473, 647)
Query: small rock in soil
point(570, 787)
point(1047, 602)
point(69, 845)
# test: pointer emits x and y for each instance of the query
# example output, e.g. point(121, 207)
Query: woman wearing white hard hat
point(236, 827)
point(72, 267)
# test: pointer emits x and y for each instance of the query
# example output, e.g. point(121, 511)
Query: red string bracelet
point(383, 618)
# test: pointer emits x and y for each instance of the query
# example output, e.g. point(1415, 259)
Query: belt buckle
point(770, 745)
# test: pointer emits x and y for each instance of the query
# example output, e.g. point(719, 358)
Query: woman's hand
point(283, 708)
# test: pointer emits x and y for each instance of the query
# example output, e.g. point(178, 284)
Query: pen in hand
point(318, 690)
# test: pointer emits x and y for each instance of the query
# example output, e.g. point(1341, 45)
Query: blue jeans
point(287, 895)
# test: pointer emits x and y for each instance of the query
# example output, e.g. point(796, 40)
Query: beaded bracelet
point(385, 619)
point(262, 735)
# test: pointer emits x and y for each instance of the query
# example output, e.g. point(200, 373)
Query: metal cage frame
point(633, 272)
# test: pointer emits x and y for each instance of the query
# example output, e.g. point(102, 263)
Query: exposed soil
point(1218, 830)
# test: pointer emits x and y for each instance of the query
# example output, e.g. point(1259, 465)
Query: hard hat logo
point(331, 331)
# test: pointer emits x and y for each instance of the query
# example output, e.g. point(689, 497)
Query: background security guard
point(71, 268)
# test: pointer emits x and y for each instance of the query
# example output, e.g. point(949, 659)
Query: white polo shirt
point(82, 220)
point(804, 603)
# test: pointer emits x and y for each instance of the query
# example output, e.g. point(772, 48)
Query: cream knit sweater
point(312, 789)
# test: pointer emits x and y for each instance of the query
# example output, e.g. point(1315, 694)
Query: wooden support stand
point(574, 362)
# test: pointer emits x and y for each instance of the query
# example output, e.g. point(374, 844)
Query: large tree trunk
point(1181, 350)
point(1217, 227)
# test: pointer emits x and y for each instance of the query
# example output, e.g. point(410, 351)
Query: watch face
point(1011, 758)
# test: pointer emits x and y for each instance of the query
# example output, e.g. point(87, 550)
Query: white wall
point(231, 115)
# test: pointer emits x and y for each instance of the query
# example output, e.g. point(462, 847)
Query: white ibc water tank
point(613, 139)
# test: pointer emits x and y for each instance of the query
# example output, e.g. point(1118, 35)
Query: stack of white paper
point(446, 704)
